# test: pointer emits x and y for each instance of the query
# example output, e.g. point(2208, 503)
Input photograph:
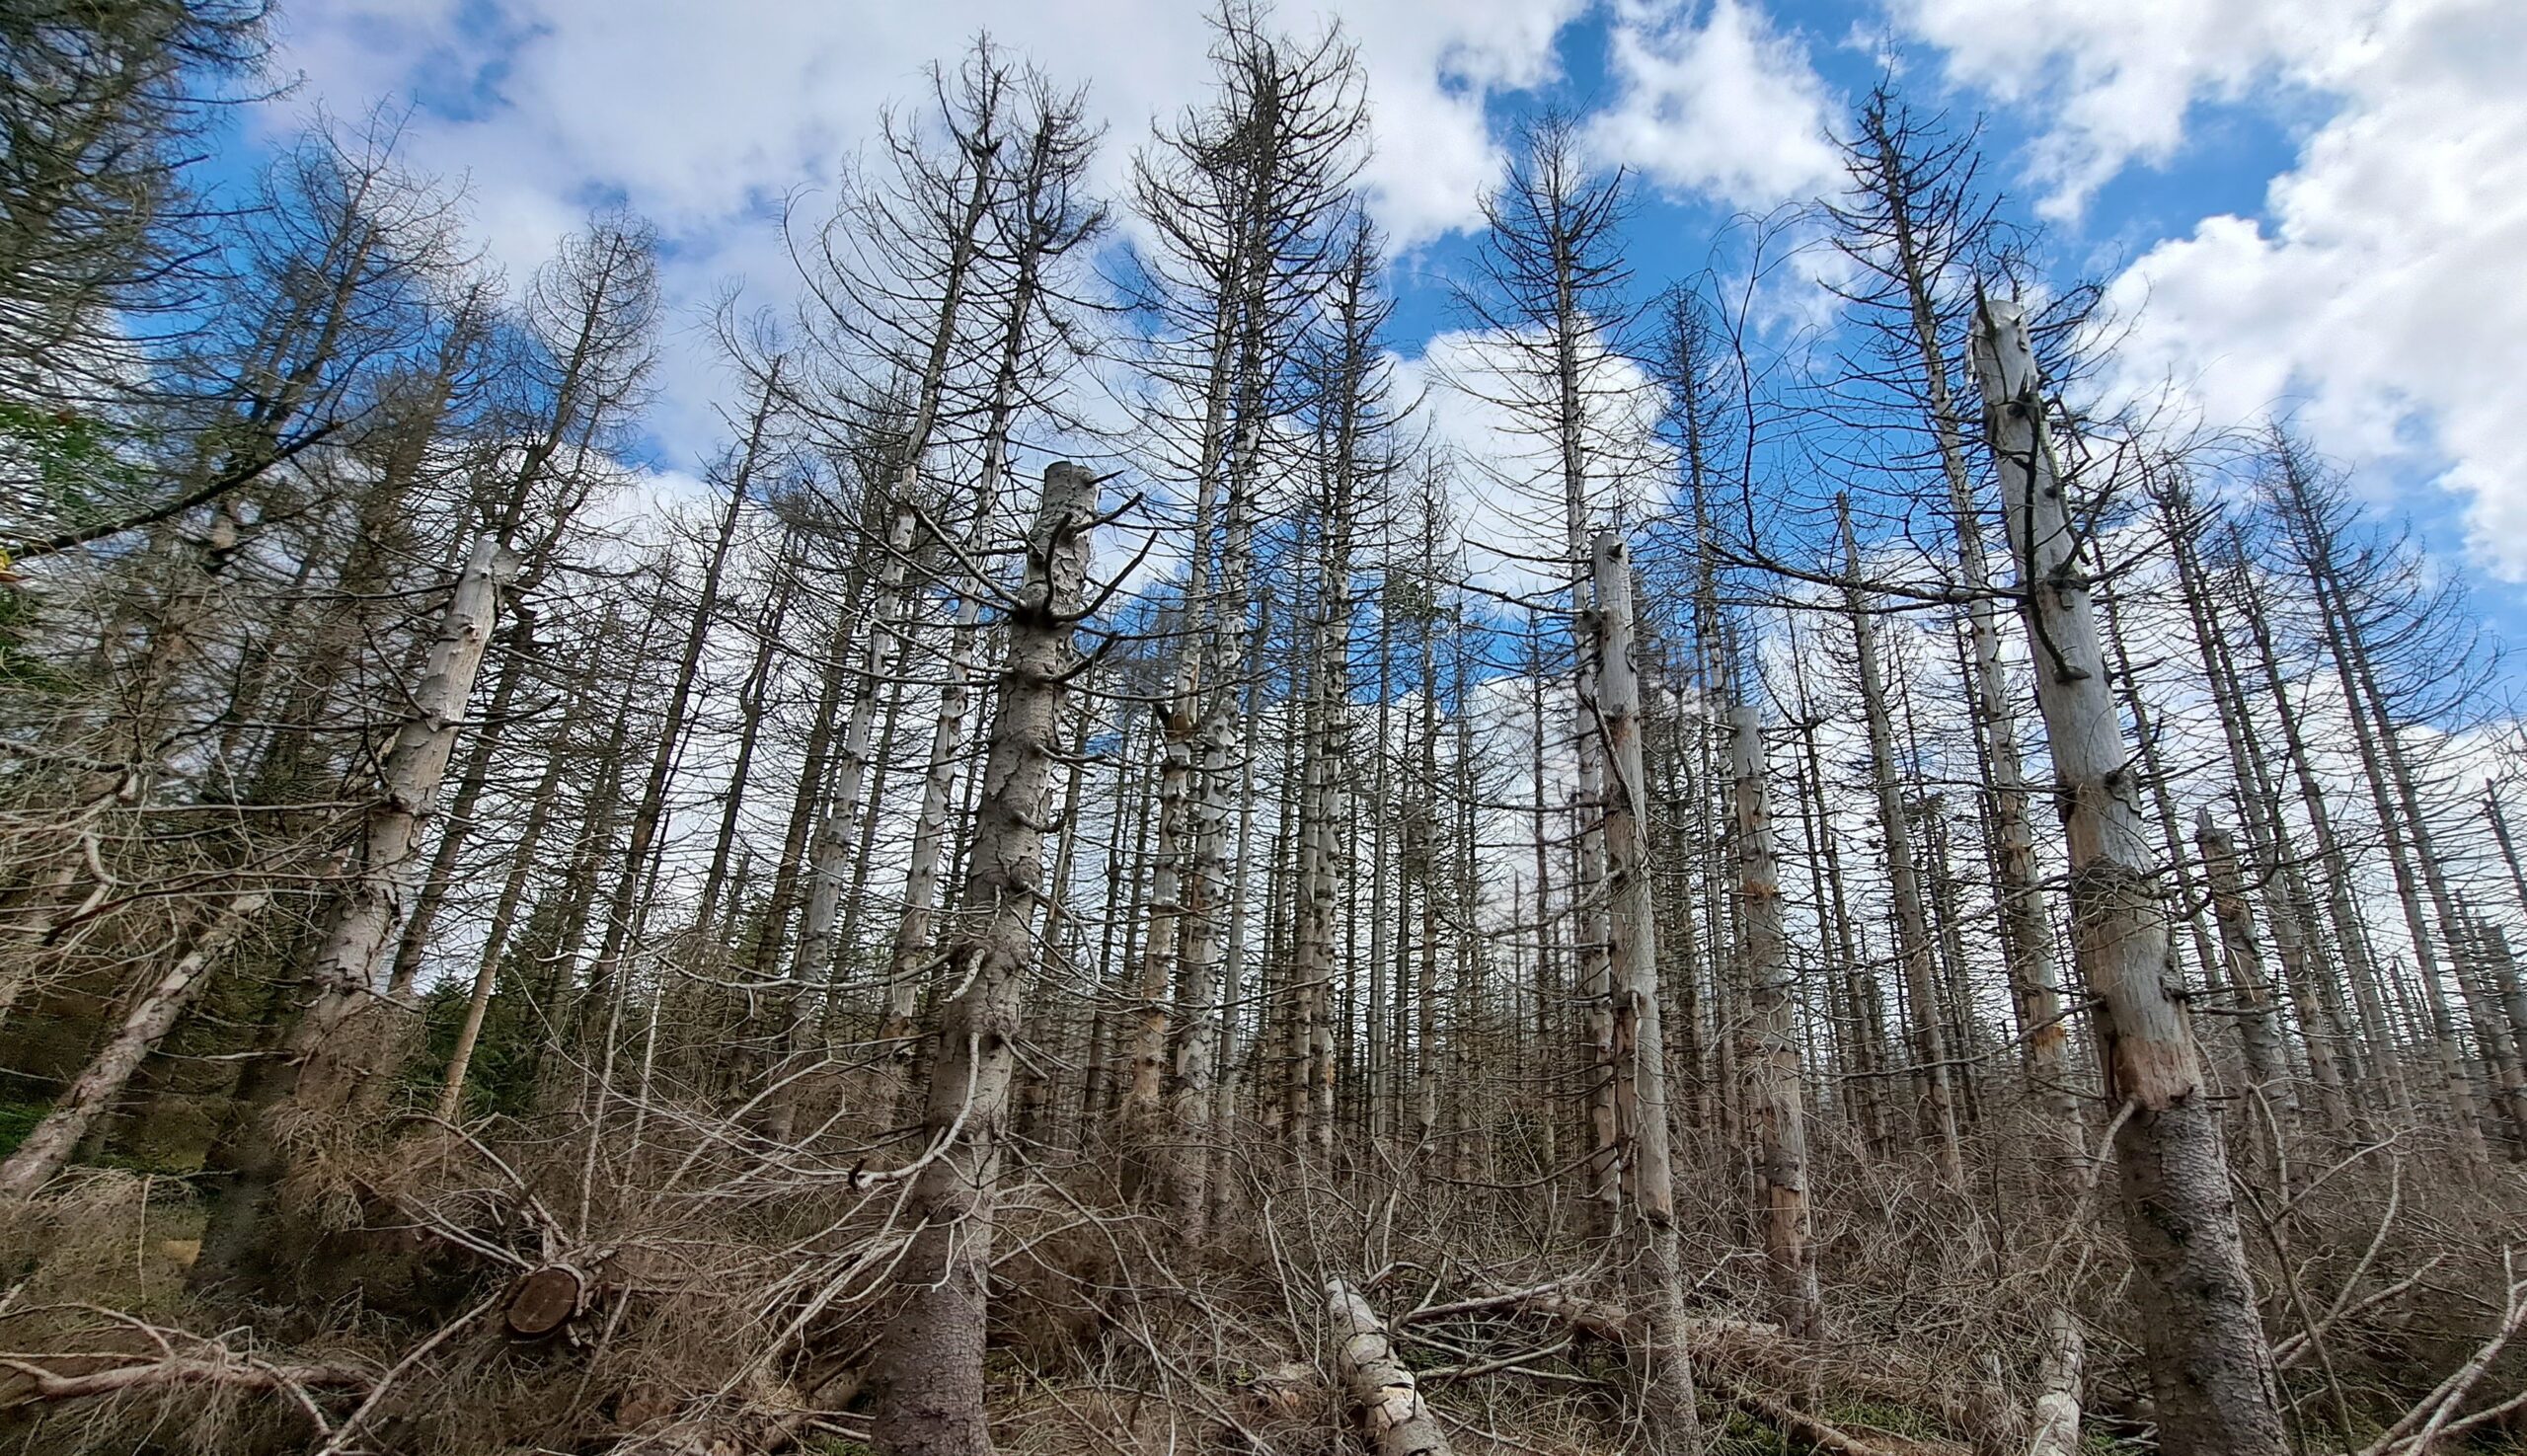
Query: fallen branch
point(43, 1384)
point(1798, 1425)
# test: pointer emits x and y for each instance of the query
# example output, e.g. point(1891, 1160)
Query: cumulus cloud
point(697, 113)
point(1481, 399)
point(2380, 301)
point(2112, 80)
point(1718, 103)
point(707, 119)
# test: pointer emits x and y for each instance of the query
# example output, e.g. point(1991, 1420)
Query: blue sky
point(2320, 205)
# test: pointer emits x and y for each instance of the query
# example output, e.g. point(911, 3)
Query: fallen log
point(1717, 1344)
point(29, 1381)
point(1384, 1398)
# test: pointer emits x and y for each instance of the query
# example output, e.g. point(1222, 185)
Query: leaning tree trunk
point(47, 1148)
point(927, 1378)
point(330, 1051)
point(2210, 1368)
point(1639, 1054)
point(2271, 1093)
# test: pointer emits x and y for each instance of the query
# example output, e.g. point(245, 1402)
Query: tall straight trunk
point(2288, 904)
point(2509, 847)
point(1861, 997)
point(2411, 853)
point(926, 1380)
point(2350, 933)
point(2154, 779)
point(882, 647)
point(2270, 1089)
point(336, 1046)
point(1639, 1061)
point(2027, 939)
point(652, 811)
point(2210, 1368)
point(1381, 1049)
point(1912, 922)
point(751, 707)
point(1781, 1121)
point(2394, 829)
point(522, 864)
point(46, 1148)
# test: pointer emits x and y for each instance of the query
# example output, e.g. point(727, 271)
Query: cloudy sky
point(2317, 206)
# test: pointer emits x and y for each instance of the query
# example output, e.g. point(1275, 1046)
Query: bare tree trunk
point(645, 818)
point(926, 1384)
point(1913, 924)
point(558, 755)
point(326, 1056)
point(2351, 938)
point(2055, 1416)
point(2289, 902)
point(2269, 1091)
point(1639, 1061)
point(1781, 1124)
point(2210, 1368)
point(47, 1147)
point(1385, 1402)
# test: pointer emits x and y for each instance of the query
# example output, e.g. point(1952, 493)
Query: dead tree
point(1640, 1059)
point(337, 1042)
point(1912, 921)
point(2210, 1368)
point(926, 1386)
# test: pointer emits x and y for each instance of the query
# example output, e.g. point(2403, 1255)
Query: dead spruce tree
point(926, 1386)
point(1914, 216)
point(1548, 293)
point(1639, 1060)
point(2210, 1369)
point(340, 1039)
point(1244, 194)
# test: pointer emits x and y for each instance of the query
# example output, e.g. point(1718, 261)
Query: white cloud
point(1724, 105)
point(704, 118)
point(2381, 301)
point(2112, 80)
point(697, 113)
point(1479, 401)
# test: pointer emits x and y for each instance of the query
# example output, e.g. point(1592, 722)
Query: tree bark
point(47, 1147)
point(926, 1379)
point(2210, 1369)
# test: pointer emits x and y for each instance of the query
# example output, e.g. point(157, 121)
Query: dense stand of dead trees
point(1568, 913)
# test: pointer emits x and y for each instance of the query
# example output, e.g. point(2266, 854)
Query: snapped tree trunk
point(1640, 1046)
point(2210, 1368)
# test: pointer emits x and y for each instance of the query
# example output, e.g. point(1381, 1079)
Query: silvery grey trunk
point(46, 1149)
point(336, 1044)
point(1639, 1057)
point(925, 1381)
point(2210, 1368)
point(1912, 921)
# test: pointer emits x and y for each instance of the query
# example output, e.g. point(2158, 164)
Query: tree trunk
point(1639, 1061)
point(328, 1053)
point(47, 1147)
point(927, 1378)
point(2210, 1369)
point(1912, 923)
point(1385, 1402)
